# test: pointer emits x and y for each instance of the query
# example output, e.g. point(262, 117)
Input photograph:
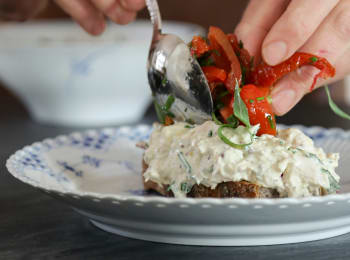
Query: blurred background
point(59, 75)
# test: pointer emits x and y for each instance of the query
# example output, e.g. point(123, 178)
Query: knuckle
point(342, 23)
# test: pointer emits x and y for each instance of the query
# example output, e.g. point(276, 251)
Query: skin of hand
point(273, 30)
point(90, 14)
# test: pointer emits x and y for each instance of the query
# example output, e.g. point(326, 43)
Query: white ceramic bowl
point(66, 77)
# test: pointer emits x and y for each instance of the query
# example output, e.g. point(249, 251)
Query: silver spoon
point(172, 71)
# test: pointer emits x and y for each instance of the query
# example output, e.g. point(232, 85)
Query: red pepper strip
point(242, 54)
point(226, 58)
point(214, 74)
point(259, 109)
point(266, 76)
point(199, 46)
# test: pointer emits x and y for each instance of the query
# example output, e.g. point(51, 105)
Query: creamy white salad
point(181, 155)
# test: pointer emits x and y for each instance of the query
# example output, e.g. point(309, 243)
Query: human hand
point(276, 29)
point(90, 14)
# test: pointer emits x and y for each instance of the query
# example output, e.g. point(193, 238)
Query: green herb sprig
point(272, 125)
point(334, 107)
point(163, 111)
point(215, 119)
point(184, 162)
point(227, 141)
point(333, 184)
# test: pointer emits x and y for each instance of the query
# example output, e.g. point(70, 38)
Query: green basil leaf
point(334, 107)
point(239, 108)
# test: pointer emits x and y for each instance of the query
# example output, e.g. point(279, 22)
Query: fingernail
point(283, 100)
point(275, 52)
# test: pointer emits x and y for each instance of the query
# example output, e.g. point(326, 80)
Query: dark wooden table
point(36, 226)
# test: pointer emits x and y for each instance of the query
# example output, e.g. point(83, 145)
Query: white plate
point(98, 173)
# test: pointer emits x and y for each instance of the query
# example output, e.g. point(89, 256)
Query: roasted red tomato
point(214, 74)
point(224, 57)
point(265, 75)
point(199, 46)
point(259, 108)
point(242, 54)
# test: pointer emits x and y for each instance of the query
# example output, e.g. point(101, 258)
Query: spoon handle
point(153, 9)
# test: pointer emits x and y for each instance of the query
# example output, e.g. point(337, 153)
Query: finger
point(257, 20)
point(133, 5)
point(342, 68)
point(331, 40)
point(114, 11)
point(294, 28)
point(85, 14)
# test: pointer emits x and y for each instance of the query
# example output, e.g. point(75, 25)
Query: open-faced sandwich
point(239, 153)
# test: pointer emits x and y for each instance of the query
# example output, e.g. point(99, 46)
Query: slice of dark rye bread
point(241, 189)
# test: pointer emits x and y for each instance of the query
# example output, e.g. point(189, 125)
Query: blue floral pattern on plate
point(66, 159)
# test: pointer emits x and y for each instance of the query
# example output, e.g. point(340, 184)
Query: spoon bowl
point(173, 71)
